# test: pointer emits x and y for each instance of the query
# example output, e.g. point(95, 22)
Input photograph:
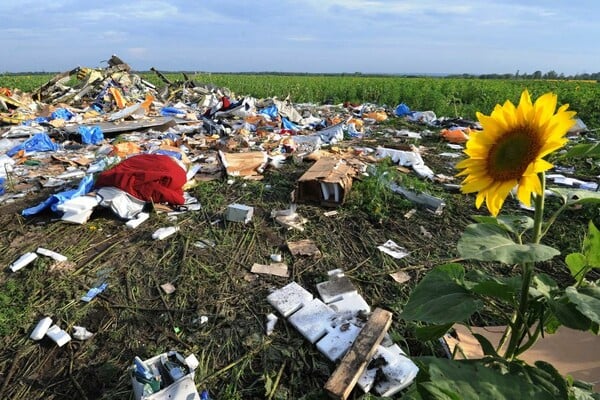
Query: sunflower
point(509, 151)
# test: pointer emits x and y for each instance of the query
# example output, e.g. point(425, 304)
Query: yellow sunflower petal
point(495, 199)
point(527, 185)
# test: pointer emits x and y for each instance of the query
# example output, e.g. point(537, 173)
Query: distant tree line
point(535, 75)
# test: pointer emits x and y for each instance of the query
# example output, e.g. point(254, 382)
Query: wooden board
point(345, 376)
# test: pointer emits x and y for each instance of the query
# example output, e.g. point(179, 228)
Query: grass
point(237, 360)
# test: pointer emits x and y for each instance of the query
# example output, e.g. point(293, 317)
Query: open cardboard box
point(571, 352)
point(326, 182)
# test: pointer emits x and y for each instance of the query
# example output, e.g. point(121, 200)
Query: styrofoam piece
point(337, 341)
point(52, 254)
point(350, 303)
point(163, 233)
point(41, 328)
point(192, 361)
point(239, 213)
point(335, 288)
point(23, 261)
point(312, 320)
point(137, 221)
point(399, 372)
point(78, 209)
point(59, 336)
point(271, 321)
point(289, 298)
point(81, 333)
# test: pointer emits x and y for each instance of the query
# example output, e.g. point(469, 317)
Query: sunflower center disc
point(509, 158)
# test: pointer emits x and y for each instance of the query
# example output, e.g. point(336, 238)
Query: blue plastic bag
point(1, 186)
point(85, 186)
point(37, 120)
point(62, 113)
point(91, 135)
point(287, 124)
point(402, 110)
point(271, 111)
point(38, 142)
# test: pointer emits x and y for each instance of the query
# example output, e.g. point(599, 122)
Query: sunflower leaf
point(577, 196)
point(516, 224)
point(583, 150)
point(440, 299)
point(489, 242)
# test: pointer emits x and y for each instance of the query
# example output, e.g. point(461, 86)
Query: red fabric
point(149, 177)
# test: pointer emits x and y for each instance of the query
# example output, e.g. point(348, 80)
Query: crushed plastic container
point(167, 376)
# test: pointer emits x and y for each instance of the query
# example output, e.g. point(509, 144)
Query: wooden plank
point(345, 376)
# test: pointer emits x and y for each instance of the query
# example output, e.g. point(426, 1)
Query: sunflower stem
point(517, 333)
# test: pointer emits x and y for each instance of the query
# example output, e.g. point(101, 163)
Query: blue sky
point(371, 36)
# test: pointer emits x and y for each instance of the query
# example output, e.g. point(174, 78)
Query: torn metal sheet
point(433, 204)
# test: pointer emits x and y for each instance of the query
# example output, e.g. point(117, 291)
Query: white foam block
point(351, 304)
point(312, 320)
point(289, 298)
point(399, 372)
point(337, 341)
point(335, 288)
point(59, 336)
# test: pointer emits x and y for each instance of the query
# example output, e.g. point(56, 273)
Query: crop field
point(451, 97)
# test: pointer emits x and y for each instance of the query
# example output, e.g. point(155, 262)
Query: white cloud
point(133, 11)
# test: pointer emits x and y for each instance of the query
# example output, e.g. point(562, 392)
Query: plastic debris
point(93, 292)
point(81, 333)
point(391, 248)
point(52, 254)
point(163, 233)
point(41, 328)
point(23, 261)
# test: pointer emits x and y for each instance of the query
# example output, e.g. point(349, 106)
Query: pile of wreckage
point(108, 138)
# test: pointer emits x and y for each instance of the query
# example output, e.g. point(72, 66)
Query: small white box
point(239, 213)
point(183, 388)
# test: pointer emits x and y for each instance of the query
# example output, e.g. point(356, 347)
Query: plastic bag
point(62, 113)
point(38, 142)
point(85, 186)
point(402, 110)
point(91, 135)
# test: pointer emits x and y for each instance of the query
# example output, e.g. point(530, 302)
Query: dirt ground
point(135, 317)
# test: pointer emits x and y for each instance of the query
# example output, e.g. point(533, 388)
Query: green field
point(451, 97)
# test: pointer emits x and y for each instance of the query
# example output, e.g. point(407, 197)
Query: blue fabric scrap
point(38, 142)
point(85, 186)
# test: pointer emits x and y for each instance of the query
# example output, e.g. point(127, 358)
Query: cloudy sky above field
point(368, 36)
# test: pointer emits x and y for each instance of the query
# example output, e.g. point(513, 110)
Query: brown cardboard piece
point(326, 182)
point(571, 352)
point(248, 165)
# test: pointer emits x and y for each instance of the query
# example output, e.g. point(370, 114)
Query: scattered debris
point(165, 232)
point(270, 325)
point(81, 333)
point(391, 248)
point(305, 247)
point(23, 261)
point(168, 287)
point(277, 269)
point(289, 218)
point(93, 292)
point(239, 213)
point(326, 182)
point(400, 276)
point(165, 376)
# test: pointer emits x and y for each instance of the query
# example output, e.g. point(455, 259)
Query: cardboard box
point(571, 352)
point(326, 182)
point(248, 165)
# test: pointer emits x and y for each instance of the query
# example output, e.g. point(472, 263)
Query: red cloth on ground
point(149, 177)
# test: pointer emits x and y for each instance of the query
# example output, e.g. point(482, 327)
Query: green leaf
point(543, 285)
point(568, 314)
point(516, 224)
point(486, 346)
point(501, 288)
point(578, 196)
point(432, 332)
point(546, 375)
point(591, 246)
point(576, 263)
point(587, 301)
point(583, 150)
point(473, 380)
point(438, 299)
point(489, 242)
